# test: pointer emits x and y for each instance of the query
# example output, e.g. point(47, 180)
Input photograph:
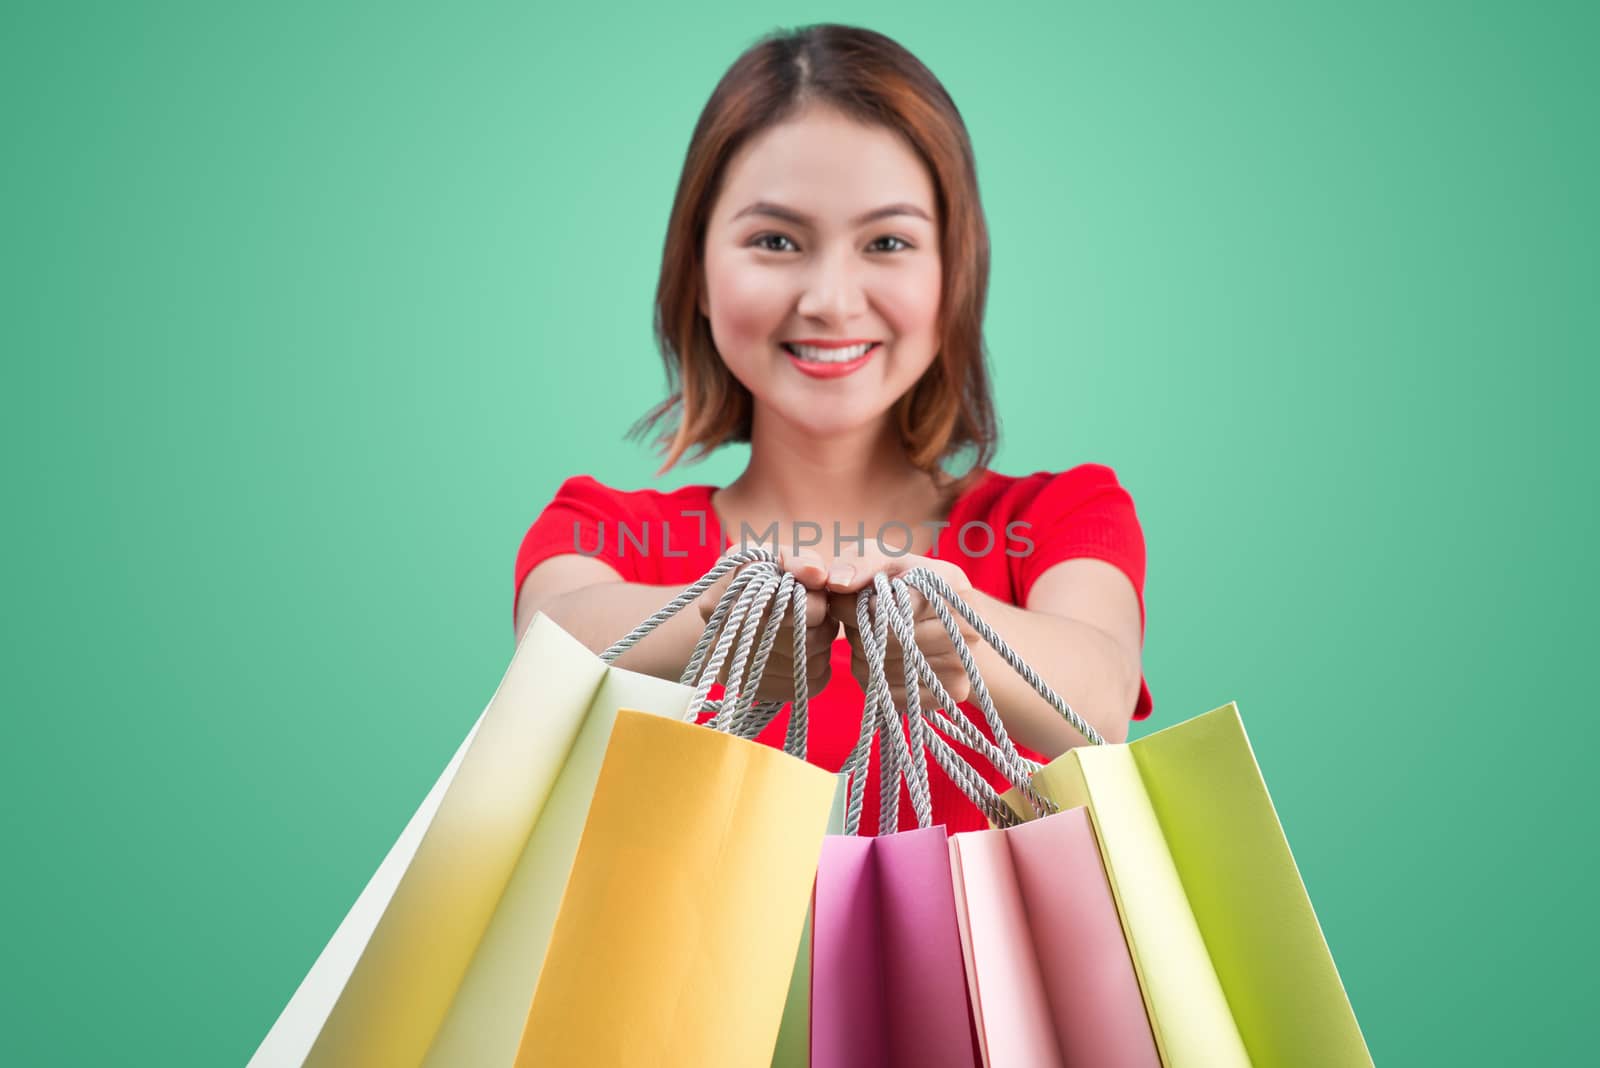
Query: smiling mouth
point(810, 354)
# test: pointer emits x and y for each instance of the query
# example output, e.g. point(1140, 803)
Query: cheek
point(910, 301)
point(747, 306)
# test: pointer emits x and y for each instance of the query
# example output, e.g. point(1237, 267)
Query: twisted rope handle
point(738, 713)
point(931, 585)
point(898, 759)
point(764, 711)
point(753, 593)
point(750, 716)
point(715, 624)
point(855, 763)
point(758, 593)
point(889, 609)
point(876, 700)
point(1001, 753)
point(748, 606)
point(729, 560)
point(890, 599)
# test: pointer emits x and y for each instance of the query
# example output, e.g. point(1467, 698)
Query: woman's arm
point(589, 600)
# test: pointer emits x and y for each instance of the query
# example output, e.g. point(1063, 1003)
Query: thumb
point(806, 567)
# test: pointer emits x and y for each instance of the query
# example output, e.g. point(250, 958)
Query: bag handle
point(875, 614)
point(728, 561)
point(755, 592)
point(938, 591)
point(897, 758)
point(763, 593)
point(905, 758)
point(890, 603)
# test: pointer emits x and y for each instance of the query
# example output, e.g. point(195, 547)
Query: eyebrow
point(789, 215)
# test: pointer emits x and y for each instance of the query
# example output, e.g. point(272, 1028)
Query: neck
point(793, 473)
point(860, 476)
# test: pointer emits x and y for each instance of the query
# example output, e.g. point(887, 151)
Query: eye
point(891, 237)
point(761, 239)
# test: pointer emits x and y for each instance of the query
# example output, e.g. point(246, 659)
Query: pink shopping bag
point(888, 985)
point(1052, 980)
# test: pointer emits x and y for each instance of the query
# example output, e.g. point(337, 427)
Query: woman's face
point(797, 251)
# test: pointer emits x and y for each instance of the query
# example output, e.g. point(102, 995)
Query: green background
point(310, 308)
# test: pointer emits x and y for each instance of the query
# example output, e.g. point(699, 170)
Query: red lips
point(816, 369)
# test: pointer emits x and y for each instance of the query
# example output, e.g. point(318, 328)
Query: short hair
point(871, 78)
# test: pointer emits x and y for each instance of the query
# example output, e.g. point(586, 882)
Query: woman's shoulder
point(646, 534)
point(998, 495)
point(646, 500)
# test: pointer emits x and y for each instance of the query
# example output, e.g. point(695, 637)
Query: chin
point(838, 420)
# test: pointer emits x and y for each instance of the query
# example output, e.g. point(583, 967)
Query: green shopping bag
point(1230, 957)
point(794, 1033)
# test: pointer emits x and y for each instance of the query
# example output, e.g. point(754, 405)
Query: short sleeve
point(1084, 512)
point(586, 517)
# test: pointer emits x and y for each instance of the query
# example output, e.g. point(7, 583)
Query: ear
point(700, 302)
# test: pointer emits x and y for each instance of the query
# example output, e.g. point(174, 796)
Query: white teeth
point(807, 352)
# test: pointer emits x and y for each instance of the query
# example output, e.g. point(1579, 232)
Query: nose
point(832, 289)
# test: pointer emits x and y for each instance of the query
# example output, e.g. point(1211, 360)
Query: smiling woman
point(821, 297)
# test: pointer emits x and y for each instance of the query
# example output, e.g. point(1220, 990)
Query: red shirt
point(673, 538)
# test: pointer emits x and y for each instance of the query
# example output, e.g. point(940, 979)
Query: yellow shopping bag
point(677, 936)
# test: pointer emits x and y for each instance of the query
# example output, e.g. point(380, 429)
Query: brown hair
point(869, 77)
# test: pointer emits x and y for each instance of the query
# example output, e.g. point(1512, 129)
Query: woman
point(821, 297)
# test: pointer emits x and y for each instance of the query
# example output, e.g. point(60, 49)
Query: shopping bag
point(1231, 961)
point(677, 936)
point(291, 1037)
point(415, 959)
point(889, 985)
point(1052, 980)
point(485, 1019)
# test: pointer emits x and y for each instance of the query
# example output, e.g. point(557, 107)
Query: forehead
point(826, 165)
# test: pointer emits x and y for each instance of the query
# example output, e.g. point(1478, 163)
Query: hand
point(777, 678)
point(846, 582)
